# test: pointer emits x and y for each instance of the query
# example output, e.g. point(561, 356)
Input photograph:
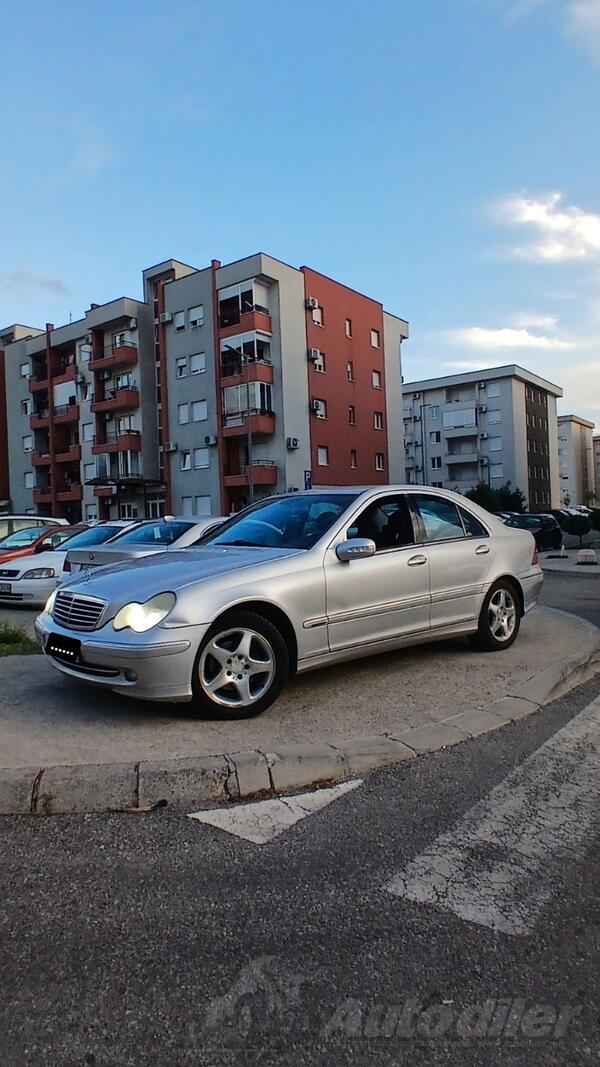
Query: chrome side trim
point(380, 609)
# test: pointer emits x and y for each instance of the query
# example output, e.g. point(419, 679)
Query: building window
point(24, 370)
point(376, 379)
point(201, 458)
point(493, 389)
point(197, 363)
point(86, 392)
point(196, 316)
point(187, 505)
point(434, 411)
point(353, 458)
point(89, 471)
point(348, 328)
point(88, 431)
point(350, 370)
point(199, 410)
point(436, 463)
point(319, 363)
point(29, 479)
point(155, 508)
point(435, 437)
point(185, 460)
point(323, 456)
point(352, 415)
point(374, 338)
point(320, 408)
point(28, 443)
point(183, 414)
point(437, 485)
point(496, 470)
point(85, 354)
point(91, 512)
point(494, 417)
point(203, 505)
point(181, 367)
point(495, 444)
point(179, 321)
point(318, 316)
point(128, 511)
point(26, 407)
point(453, 419)
point(379, 461)
point(378, 420)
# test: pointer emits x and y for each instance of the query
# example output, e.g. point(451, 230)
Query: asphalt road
point(154, 939)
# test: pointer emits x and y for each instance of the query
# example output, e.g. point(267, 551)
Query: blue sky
point(440, 155)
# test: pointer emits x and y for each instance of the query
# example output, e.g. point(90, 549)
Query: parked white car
point(31, 579)
point(143, 539)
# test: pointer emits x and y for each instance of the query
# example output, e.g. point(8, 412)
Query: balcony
point(42, 496)
point(71, 492)
point(123, 355)
point(451, 433)
point(40, 459)
point(461, 457)
point(39, 381)
point(67, 373)
point(66, 413)
point(119, 400)
point(261, 422)
point(71, 455)
point(40, 420)
point(257, 319)
point(264, 472)
point(258, 370)
point(128, 441)
point(105, 490)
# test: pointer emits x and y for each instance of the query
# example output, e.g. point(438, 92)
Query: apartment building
point(223, 384)
point(596, 447)
point(494, 425)
point(576, 460)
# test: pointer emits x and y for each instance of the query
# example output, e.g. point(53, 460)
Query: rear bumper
point(531, 585)
point(154, 666)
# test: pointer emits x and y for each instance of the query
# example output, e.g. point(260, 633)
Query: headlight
point(40, 572)
point(142, 617)
point(50, 602)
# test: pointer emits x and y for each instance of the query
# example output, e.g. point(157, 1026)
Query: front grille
point(9, 574)
point(77, 612)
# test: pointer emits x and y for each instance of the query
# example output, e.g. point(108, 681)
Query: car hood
point(171, 571)
point(41, 559)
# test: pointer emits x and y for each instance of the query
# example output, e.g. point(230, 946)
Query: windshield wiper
point(239, 544)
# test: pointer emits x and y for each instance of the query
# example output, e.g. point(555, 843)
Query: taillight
point(535, 558)
point(67, 566)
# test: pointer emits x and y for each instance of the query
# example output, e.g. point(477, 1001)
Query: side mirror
point(355, 548)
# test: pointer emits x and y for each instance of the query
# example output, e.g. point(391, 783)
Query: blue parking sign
point(308, 479)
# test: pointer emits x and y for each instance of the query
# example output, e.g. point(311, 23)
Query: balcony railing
point(250, 367)
point(261, 422)
point(124, 441)
point(234, 316)
point(67, 412)
point(116, 355)
point(264, 472)
point(126, 397)
point(72, 454)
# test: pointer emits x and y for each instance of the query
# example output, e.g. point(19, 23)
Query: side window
point(440, 518)
point(387, 522)
point(473, 527)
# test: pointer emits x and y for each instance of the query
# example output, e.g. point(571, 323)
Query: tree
point(577, 525)
point(502, 499)
point(595, 519)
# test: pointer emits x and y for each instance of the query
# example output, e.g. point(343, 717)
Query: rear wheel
point(500, 618)
point(241, 667)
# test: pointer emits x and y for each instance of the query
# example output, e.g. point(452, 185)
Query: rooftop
point(511, 370)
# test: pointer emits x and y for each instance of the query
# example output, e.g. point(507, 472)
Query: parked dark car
point(548, 534)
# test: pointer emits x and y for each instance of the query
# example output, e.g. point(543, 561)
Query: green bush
point(576, 525)
point(15, 641)
point(502, 499)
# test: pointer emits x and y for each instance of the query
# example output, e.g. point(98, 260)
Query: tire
point(228, 681)
point(499, 619)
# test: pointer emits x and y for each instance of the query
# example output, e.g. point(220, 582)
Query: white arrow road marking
point(262, 820)
point(497, 865)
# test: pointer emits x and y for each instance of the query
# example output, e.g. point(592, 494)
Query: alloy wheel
point(502, 615)
point(237, 667)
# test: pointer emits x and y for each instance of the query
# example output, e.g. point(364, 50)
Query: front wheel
point(241, 667)
point(499, 620)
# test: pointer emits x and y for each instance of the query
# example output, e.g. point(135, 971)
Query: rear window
point(96, 536)
point(155, 533)
point(22, 538)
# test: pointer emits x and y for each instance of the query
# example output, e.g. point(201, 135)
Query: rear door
point(385, 595)
point(461, 553)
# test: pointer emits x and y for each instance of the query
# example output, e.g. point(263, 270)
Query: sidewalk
point(98, 750)
point(569, 565)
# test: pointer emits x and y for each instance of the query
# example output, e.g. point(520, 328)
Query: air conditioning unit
point(133, 324)
point(311, 303)
point(88, 338)
point(483, 436)
point(483, 407)
point(166, 316)
point(481, 385)
point(484, 461)
point(416, 396)
point(418, 468)
point(292, 443)
point(170, 446)
point(28, 450)
point(210, 439)
point(417, 418)
point(314, 354)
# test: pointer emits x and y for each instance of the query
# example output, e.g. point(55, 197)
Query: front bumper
point(156, 665)
point(29, 591)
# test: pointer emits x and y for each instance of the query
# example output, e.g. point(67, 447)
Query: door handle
point(482, 550)
point(417, 561)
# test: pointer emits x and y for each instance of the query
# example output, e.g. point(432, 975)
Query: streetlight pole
point(246, 364)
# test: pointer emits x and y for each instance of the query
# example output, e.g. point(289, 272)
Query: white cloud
point(507, 337)
point(561, 232)
point(26, 279)
point(546, 322)
point(582, 18)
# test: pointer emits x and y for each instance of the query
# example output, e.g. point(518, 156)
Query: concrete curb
point(238, 775)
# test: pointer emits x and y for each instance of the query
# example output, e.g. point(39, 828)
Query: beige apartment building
point(576, 460)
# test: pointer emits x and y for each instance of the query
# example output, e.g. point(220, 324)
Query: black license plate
point(5, 587)
point(66, 649)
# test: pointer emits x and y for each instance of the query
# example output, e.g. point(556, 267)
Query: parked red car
point(35, 539)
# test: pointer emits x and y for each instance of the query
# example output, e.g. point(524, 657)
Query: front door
point(385, 595)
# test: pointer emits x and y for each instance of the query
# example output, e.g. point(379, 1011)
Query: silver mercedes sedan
point(293, 583)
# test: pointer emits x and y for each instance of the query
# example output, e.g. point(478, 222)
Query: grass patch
point(15, 641)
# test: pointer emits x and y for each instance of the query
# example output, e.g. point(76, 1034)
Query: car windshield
point(97, 535)
point(22, 538)
point(524, 522)
point(155, 533)
point(287, 522)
